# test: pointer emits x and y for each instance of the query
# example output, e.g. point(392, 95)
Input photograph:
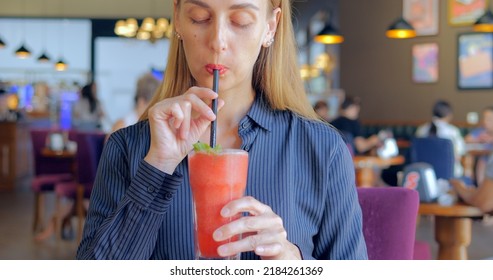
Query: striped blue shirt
point(300, 168)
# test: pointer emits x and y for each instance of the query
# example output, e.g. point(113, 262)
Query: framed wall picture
point(475, 61)
point(422, 15)
point(425, 63)
point(465, 12)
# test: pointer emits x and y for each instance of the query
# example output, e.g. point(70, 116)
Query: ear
point(272, 23)
point(176, 21)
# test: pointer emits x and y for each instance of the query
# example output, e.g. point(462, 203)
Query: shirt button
point(247, 148)
point(150, 189)
point(245, 125)
point(168, 196)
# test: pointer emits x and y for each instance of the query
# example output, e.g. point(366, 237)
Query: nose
point(218, 40)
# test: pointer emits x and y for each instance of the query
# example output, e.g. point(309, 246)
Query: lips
point(211, 67)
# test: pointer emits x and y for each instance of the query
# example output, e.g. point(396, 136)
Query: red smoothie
point(215, 179)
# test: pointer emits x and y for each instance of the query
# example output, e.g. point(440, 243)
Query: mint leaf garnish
point(217, 149)
point(205, 148)
point(201, 147)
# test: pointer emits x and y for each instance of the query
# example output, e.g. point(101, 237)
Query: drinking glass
point(216, 178)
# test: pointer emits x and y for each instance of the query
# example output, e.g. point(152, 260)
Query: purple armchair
point(47, 172)
point(389, 222)
point(89, 150)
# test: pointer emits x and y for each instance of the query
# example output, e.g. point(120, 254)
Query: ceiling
point(110, 9)
point(114, 9)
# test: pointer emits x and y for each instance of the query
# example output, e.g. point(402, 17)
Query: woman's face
point(226, 35)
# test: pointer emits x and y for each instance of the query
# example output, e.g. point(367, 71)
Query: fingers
point(176, 115)
point(245, 204)
point(199, 98)
point(186, 107)
point(249, 224)
point(263, 244)
point(178, 112)
point(263, 232)
point(200, 105)
point(456, 183)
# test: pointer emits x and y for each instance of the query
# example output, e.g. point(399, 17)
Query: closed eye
point(242, 25)
point(242, 19)
point(199, 20)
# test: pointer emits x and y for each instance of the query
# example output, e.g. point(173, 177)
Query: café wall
point(379, 70)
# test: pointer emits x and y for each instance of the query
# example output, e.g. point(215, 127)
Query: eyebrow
point(198, 3)
point(244, 6)
point(233, 7)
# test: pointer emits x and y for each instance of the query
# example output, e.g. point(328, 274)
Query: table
point(47, 152)
point(365, 168)
point(453, 228)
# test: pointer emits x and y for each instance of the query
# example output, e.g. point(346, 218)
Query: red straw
point(215, 88)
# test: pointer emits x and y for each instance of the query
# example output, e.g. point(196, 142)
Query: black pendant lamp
point(484, 23)
point(400, 29)
point(43, 58)
point(329, 35)
point(22, 52)
point(60, 65)
point(2, 44)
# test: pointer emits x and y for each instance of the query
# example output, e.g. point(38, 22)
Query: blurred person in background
point(88, 113)
point(146, 87)
point(482, 135)
point(348, 123)
point(322, 109)
point(482, 196)
point(440, 126)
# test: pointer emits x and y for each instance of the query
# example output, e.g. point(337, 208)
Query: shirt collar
point(438, 121)
point(260, 113)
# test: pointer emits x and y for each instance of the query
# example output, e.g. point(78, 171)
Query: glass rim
point(222, 152)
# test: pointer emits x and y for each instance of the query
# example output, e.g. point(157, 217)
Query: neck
point(236, 106)
point(349, 116)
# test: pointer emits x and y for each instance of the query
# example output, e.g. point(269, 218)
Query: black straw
point(215, 88)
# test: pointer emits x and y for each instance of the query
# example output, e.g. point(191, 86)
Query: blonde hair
point(275, 75)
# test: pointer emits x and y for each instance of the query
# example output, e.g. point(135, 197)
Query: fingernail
point(225, 212)
point(217, 235)
point(222, 251)
point(260, 249)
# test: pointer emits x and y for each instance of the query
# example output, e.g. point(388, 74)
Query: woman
point(440, 126)
point(481, 196)
point(300, 196)
point(88, 112)
point(482, 135)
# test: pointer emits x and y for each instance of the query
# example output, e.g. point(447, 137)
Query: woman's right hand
point(176, 124)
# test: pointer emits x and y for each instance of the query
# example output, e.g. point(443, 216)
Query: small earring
point(178, 35)
point(270, 42)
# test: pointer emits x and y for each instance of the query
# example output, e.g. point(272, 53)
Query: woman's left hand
point(263, 231)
